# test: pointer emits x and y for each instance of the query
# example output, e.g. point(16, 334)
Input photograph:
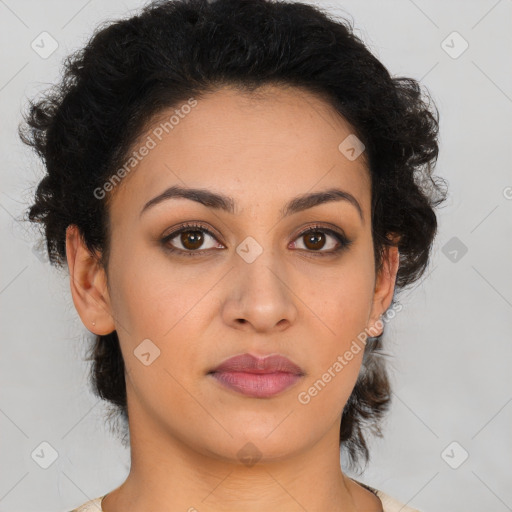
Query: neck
point(167, 474)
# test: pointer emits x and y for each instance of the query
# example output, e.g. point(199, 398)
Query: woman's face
point(251, 283)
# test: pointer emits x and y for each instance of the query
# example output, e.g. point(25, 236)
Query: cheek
point(338, 309)
point(339, 297)
point(343, 301)
point(152, 295)
point(157, 300)
point(337, 353)
point(160, 315)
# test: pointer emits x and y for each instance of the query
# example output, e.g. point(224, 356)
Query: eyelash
point(342, 240)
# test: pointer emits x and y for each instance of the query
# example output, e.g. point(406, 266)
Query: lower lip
point(259, 385)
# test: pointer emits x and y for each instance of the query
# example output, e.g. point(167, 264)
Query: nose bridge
point(263, 297)
point(259, 264)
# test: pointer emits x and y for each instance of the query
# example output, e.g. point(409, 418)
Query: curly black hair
point(132, 69)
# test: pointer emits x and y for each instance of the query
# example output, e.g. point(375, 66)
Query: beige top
point(389, 504)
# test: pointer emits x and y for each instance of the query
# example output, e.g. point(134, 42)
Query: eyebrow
point(220, 201)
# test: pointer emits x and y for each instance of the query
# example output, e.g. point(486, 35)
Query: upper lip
point(255, 364)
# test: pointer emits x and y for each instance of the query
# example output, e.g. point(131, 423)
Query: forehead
point(260, 148)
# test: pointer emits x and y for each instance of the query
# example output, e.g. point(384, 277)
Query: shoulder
point(90, 506)
point(389, 504)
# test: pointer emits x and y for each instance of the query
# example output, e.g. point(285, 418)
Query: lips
point(257, 377)
point(252, 364)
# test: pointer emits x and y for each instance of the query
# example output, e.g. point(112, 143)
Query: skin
point(186, 429)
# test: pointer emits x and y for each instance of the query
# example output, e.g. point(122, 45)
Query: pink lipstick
point(257, 377)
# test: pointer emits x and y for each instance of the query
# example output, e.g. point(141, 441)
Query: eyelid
point(190, 225)
point(343, 241)
point(322, 226)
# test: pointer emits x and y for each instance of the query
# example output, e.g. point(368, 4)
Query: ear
point(88, 283)
point(384, 289)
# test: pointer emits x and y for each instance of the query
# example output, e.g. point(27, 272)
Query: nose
point(259, 296)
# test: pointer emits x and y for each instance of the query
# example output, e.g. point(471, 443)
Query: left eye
point(192, 237)
point(316, 239)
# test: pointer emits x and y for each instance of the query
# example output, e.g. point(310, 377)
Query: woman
point(239, 189)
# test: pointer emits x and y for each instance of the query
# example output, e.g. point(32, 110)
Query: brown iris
point(313, 238)
point(193, 239)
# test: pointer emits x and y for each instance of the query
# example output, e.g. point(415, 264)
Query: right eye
point(190, 237)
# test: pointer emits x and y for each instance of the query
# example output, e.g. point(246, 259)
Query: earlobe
point(384, 288)
point(88, 284)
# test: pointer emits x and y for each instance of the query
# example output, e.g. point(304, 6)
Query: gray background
point(452, 342)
